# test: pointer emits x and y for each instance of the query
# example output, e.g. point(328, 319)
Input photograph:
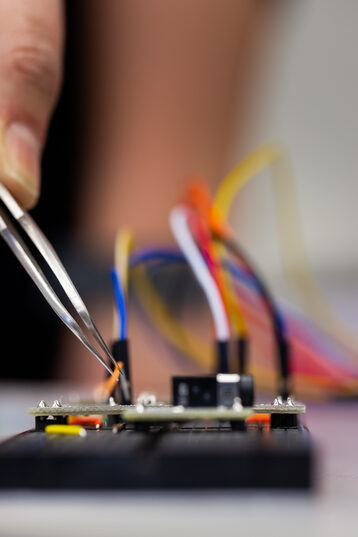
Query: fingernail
point(22, 161)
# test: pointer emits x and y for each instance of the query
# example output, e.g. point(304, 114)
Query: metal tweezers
point(19, 248)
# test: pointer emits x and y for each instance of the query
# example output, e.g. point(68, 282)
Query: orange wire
point(105, 388)
point(206, 218)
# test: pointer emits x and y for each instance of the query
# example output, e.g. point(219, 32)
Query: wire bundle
point(241, 305)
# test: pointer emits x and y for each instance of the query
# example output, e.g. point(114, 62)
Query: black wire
point(242, 353)
point(282, 347)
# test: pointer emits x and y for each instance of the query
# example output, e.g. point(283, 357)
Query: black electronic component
point(213, 390)
point(194, 391)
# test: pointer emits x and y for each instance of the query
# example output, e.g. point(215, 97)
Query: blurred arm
point(165, 81)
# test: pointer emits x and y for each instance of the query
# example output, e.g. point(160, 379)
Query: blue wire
point(239, 274)
point(160, 257)
point(145, 255)
point(171, 255)
point(256, 284)
point(121, 305)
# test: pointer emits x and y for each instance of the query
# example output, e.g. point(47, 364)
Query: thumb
point(30, 75)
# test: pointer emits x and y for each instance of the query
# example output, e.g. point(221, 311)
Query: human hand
point(31, 44)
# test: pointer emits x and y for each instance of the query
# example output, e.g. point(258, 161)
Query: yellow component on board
point(73, 430)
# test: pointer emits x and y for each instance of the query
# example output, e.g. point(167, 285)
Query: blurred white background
point(311, 107)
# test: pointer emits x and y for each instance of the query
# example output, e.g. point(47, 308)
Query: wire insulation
point(319, 385)
point(122, 250)
point(180, 228)
point(295, 261)
point(121, 305)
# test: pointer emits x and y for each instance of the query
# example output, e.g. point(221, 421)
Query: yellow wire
point(156, 310)
point(257, 161)
point(174, 332)
point(122, 249)
point(236, 316)
point(291, 244)
point(314, 386)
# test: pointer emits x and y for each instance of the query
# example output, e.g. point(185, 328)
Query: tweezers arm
point(20, 250)
point(50, 256)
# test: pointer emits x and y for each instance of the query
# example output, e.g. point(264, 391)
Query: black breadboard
point(186, 458)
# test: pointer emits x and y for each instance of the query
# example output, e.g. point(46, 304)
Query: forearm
point(164, 91)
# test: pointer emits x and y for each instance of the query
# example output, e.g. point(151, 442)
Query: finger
point(31, 43)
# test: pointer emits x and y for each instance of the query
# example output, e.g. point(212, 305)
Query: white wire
point(180, 228)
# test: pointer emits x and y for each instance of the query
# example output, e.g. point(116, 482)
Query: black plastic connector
point(42, 421)
point(242, 352)
point(120, 351)
point(246, 390)
point(284, 421)
point(222, 353)
point(285, 369)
